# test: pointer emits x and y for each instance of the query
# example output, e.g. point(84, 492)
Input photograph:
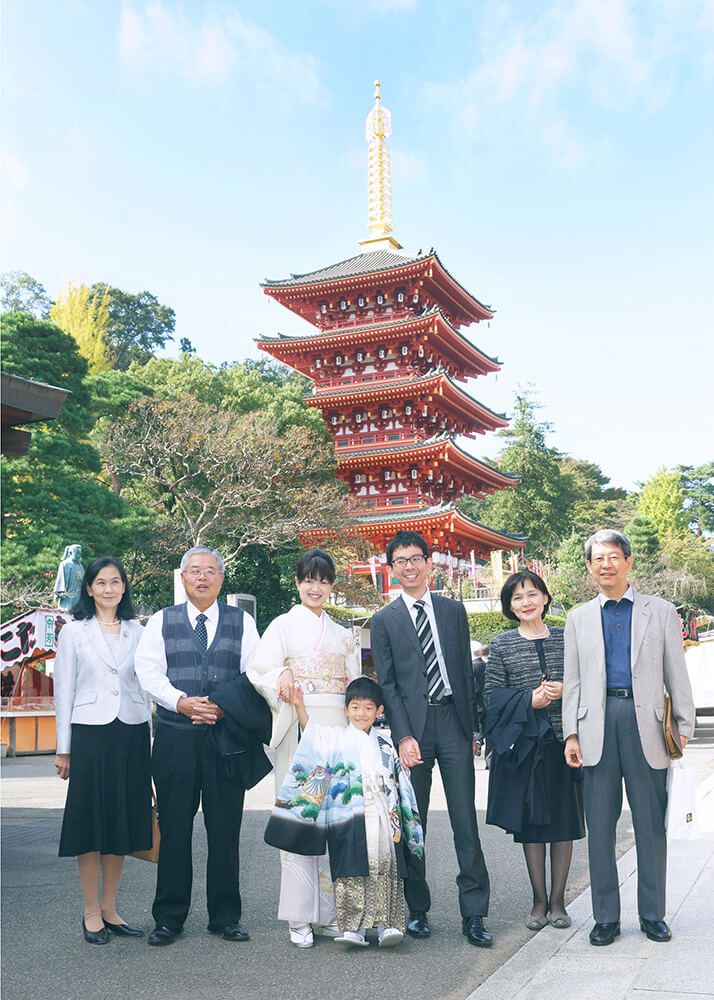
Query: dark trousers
point(444, 741)
point(186, 770)
point(622, 757)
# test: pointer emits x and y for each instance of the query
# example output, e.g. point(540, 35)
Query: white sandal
point(301, 935)
point(390, 937)
point(327, 930)
point(353, 939)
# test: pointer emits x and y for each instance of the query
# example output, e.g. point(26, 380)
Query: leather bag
point(670, 730)
point(152, 854)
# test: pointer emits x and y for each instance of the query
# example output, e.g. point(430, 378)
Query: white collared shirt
point(429, 608)
point(629, 595)
point(150, 663)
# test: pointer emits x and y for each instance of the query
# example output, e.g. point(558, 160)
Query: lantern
point(380, 298)
point(361, 301)
point(323, 308)
point(338, 359)
point(381, 353)
point(413, 472)
point(359, 357)
point(404, 350)
point(343, 304)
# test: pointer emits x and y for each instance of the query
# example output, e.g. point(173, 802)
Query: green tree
point(23, 293)
point(86, 318)
point(56, 494)
point(698, 487)
point(643, 538)
point(540, 505)
point(138, 324)
point(661, 501)
point(596, 504)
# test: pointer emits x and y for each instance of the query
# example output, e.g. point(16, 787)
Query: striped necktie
point(201, 632)
point(434, 683)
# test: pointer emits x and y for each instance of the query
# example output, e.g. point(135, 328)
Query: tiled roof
point(415, 515)
point(363, 263)
point(395, 450)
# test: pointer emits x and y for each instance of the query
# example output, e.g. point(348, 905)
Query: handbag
point(681, 819)
point(152, 854)
point(670, 730)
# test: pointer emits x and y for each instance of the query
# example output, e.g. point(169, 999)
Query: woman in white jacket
point(103, 743)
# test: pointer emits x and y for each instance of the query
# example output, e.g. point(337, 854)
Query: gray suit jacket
point(657, 660)
point(401, 668)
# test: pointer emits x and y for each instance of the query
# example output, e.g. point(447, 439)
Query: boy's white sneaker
point(390, 937)
point(301, 935)
point(327, 930)
point(353, 938)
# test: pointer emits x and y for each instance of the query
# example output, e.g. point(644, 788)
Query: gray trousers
point(622, 757)
point(444, 741)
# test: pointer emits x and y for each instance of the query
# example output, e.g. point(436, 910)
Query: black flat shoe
point(124, 930)
point(604, 934)
point(161, 936)
point(95, 937)
point(231, 932)
point(418, 926)
point(475, 932)
point(656, 930)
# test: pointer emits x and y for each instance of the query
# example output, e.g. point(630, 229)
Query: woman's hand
point(62, 765)
point(286, 685)
point(540, 697)
point(554, 689)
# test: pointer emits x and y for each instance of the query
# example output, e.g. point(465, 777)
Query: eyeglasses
point(614, 558)
point(194, 573)
point(402, 563)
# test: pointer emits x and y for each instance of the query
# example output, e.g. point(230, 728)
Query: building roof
point(362, 263)
point(448, 516)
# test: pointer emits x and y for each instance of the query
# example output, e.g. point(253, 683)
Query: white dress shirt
point(629, 595)
point(151, 666)
point(429, 608)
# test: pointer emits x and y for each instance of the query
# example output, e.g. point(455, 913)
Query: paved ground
point(44, 956)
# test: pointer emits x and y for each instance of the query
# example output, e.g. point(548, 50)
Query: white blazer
point(657, 660)
point(90, 687)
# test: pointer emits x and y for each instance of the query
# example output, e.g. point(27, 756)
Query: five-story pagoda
point(386, 355)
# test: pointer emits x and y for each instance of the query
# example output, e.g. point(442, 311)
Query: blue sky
point(558, 155)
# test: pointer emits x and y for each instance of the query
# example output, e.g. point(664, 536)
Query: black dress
point(533, 794)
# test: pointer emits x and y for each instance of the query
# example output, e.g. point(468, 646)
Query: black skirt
point(108, 806)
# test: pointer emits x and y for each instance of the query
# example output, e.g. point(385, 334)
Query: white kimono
point(324, 657)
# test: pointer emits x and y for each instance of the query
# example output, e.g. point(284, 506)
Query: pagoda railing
point(330, 382)
point(363, 442)
point(370, 317)
point(400, 501)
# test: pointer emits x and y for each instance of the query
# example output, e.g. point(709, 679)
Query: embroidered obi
point(319, 673)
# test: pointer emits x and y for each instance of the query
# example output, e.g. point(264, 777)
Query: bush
point(484, 625)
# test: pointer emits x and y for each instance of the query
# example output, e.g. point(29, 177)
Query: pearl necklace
point(543, 635)
point(103, 622)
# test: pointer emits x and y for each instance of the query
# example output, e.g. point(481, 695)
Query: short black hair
point(316, 564)
point(608, 537)
point(403, 539)
point(364, 688)
point(515, 580)
point(85, 607)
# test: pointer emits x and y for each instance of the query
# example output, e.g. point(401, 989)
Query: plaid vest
point(195, 670)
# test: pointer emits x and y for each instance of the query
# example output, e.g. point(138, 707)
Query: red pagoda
point(386, 357)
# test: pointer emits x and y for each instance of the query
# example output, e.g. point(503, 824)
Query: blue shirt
point(617, 632)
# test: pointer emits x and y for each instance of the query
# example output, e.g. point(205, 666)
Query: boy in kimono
point(346, 792)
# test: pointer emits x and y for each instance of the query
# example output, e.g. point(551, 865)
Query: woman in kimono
point(305, 647)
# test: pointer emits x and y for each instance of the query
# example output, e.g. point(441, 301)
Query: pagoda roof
point(447, 517)
point(437, 381)
point(377, 262)
point(355, 334)
point(442, 446)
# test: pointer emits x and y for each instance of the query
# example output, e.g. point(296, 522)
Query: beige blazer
point(90, 687)
point(657, 660)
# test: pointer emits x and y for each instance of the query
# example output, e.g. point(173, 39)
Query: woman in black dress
point(103, 744)
point(532, 791)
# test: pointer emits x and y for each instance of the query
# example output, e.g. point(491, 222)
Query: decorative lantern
point(359, 357)
point(385, 412)
point(420, 352)
point(338, 360)
point(323, 308)
point(404, 350)
point(361, 301)
point(388, 475)
point(318, 362)
point(359, 416)
point(408, 409)
point(400, 296)
point(380, 298)
point(334, 419)
point(415, 297)
point(413, 472)
point(381, 353)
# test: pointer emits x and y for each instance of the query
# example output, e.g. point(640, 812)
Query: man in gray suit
point(621, 650)
point(420, 645)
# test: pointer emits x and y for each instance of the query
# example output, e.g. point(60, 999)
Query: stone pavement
point(563, 965)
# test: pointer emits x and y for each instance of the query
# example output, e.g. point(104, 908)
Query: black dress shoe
point(124, 930)
point(603, 934)
point(95, 937)
point(231, 932)
point(475, 932)
point(418, 926)
point(162, 935)
point(656, 930)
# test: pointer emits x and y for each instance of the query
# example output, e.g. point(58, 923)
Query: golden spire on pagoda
point(378, 129)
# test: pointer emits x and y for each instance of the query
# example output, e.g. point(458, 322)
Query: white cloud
point(214, 49)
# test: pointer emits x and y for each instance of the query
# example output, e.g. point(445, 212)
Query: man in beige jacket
point(621, 650)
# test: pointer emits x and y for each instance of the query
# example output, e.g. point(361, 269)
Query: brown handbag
point(152, 854)
point(670, 730)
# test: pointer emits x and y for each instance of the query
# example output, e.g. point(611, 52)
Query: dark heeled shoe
point(95, 937)
point(124, 930)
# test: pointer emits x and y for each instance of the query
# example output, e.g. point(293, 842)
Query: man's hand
point(286, 685)
point(200, 710)
point(409, 752)
point(62, 765)
point(476, 746)
point(573, 757)
point(540, 697)
point(683, 740)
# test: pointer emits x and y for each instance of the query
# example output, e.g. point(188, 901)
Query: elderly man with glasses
point(187, 652)
point(421, 647)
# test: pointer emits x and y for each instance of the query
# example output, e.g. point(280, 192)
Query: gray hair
point(608, 537)
point(200, 549)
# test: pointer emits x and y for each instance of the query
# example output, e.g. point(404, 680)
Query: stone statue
point(70, 574)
